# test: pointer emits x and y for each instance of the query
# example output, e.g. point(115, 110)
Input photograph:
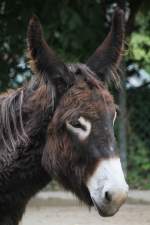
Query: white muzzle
point(107, 187)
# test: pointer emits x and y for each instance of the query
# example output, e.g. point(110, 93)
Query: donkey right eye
point(77, 124)
point(80, 128)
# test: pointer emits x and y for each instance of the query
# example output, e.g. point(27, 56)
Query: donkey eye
point(114, 118)
point(81, 128)
point(77, 124)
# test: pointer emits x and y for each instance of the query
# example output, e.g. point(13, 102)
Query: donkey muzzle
point(110, 204)
point(107, 186)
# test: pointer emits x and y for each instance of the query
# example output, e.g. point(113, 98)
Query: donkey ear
point(108, 55)
point(43, 60)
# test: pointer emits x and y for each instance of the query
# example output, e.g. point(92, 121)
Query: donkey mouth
point(101, 210)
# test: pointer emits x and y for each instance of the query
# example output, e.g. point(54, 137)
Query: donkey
point(61, 126)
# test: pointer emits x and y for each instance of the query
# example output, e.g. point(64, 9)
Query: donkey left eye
point(80, 128)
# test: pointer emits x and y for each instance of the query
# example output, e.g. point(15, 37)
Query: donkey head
point(80, 147)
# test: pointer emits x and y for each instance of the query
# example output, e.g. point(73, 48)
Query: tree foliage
point(140, 42)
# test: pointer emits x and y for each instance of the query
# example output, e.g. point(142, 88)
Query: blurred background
point(74, 29)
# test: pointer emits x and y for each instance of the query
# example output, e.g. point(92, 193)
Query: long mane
point(22, 110)
point(11, 121)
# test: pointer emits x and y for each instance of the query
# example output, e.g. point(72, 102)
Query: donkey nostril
point(108, 196)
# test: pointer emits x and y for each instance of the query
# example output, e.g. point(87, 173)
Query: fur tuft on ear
point(107, 56)
point(43, 60)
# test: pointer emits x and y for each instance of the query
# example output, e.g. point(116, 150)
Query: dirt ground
point(68, 213)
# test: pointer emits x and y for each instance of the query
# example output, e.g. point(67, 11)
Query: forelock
point(82, 71)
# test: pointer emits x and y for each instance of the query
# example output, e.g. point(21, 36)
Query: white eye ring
point(114, 118)
point(81, 133)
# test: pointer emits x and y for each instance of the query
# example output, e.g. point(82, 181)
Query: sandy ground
point(60, 212)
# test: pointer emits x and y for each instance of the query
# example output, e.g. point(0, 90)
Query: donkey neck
point(24, 119)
